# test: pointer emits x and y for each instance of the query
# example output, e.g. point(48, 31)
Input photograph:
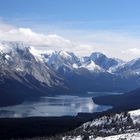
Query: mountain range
point(25, 73)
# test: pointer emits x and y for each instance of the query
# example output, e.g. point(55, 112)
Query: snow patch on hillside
point(135, 115)
point(127, 136)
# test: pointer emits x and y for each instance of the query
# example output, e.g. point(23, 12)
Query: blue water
point(53, 106)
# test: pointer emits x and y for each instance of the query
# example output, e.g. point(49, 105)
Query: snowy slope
point(125, 125)
point(66, 59)
point(17, 57)
point(57, 59)
point(127, 136)
point(103, 61)
point(129, 68)
point(96, 62)
point(91, 66)
point(55, 68)
point(135, 115)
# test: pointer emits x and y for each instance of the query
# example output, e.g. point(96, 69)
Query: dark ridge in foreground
point(43, 126)
point(46, 128)
point(37, 126)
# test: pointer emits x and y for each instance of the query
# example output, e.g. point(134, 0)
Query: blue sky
point(91, 22)
point(85, 14)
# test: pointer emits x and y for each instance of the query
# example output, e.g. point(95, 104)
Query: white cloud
point(132, 51)
point(28, 36)
point(42, 41)
point(113, 44)
point(135, 51)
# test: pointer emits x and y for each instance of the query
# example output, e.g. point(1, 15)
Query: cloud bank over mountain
point(111, 43)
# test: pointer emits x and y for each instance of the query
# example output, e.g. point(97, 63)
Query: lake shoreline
point(62, 105)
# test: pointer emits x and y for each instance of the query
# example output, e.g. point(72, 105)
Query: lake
point(53, 106)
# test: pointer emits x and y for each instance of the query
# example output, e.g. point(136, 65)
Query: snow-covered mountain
point(22, 58)
point(91, 66)
point(57, 60)
point(96, 61)
point(22, 74)
point(17, 57)
point(61, 70)
point(96, 68)
point(129, 68)
point(80, 73)
point(103, 61)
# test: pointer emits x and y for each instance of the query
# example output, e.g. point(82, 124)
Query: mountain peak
point(93, 67)
point(7, 46)
point(64, 54)
point(97, 55)
point(103, 61)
